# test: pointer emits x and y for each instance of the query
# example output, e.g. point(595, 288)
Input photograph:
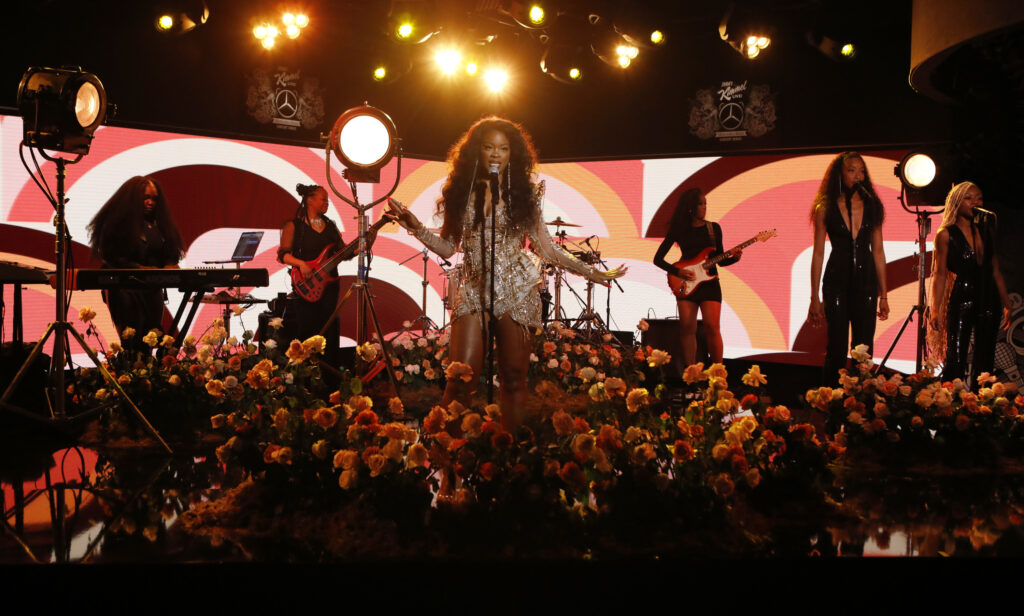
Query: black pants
point(848, 307)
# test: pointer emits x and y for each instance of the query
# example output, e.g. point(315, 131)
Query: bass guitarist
point(303, 239)
point(690, 229)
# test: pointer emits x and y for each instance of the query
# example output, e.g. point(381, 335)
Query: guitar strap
point(711, 233)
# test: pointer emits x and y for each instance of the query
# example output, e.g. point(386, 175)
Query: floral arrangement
point(920, 418)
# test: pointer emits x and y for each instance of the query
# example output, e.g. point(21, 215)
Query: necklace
point(317, 223)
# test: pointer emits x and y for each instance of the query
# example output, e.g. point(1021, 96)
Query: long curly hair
point(831, 188)
point(465, 169)
point(937, 335)
point(123, 216)
point(686, 210)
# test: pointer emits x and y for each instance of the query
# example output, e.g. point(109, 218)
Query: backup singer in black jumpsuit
point(133, 229)
point(966, 290)
point(689, 229)
point(854, 285)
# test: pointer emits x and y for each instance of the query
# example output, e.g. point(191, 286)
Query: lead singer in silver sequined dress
point(465, 204)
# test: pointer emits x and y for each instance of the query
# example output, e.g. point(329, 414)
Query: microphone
point(983, 214)
point(493, 168)
point(587, 241)
point(863, 190)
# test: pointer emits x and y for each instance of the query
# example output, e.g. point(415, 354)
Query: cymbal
point(559, 222)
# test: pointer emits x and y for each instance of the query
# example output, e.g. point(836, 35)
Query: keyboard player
point(134, 229)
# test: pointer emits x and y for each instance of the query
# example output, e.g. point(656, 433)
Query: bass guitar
point(312, 289)
point(701, 264)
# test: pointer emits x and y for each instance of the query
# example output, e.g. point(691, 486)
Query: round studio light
point(380, 73)
point(575, 74)
point(302, 20)
point(291, 31)
point(288, 19)
point(448, 60)
point(268, 42)
point(496, 79)
point(763, 42)
point(848, 50)
point(61, 108)
point(624, 61)
point(365, 139)
point(260, 32)
point(404, 31)
point(657, 37)
point(916, 170)
point(472, 68)
point(164, 22)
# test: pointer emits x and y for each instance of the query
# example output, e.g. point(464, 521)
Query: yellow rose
point(753, 377)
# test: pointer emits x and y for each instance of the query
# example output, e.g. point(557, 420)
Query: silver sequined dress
point(517, 273)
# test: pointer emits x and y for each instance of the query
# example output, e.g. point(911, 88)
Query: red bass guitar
point(312, 289)
point(700, 265)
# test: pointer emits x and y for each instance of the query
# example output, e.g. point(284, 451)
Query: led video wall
point(219, 188)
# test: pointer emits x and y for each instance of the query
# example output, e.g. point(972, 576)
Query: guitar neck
point(350, 250)
point(724, 255)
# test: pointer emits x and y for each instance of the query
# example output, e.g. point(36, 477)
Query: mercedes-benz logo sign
point(730, 116)
point(287, 103)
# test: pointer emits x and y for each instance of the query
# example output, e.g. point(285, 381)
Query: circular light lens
point(624, 61)
point(364, 140)
point(292, 31)
point(380, 73)
point(751, 41)
point(272, 31)
point(405, 31)
point(574, 73)
point(165, 22)
point(847, 50)
point(657, 37)
point(448, 60)
point(260, 32)
point(763, 41)
point(268, 42)
point(752, 52)
point(496, 79)
point(472, 68)
point(288, 19)
point(302, 20)
point(536, 14)
point(87, 104)
point(918, 170)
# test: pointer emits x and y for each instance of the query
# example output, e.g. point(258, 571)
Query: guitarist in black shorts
point(693, 233)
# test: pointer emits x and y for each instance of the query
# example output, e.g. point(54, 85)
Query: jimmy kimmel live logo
point(732, 111)
point(285, 99)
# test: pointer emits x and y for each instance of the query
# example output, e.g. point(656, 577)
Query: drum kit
point(588, 323)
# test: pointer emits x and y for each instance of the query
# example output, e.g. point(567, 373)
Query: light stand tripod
point(361, 286)
point(60, 328)
point(923, 229)
point(423, 319)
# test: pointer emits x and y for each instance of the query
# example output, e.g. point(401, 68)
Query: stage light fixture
point(365, 139)
point(448, 60)
point(916, 170)
point(380, 73)
point(268, 42)
point(291, 31)
point(61, 108)
point(744, 33)
point(181, 16)
point(302, 20)
point(848, 50)
point(496, 79)
point(563, 63)
point(472, 68)
point(413, 22)
point(657, 37)
point(537, 15)
point(288, 19)
point(260, 32)
point(404, 31)
point(830, 46)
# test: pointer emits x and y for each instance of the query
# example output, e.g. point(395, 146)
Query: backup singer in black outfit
point(847, 210)
point(303, 239)
point(693, 233)
point(967, 289)
point(134, 229)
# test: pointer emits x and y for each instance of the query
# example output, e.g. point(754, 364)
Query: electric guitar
point(312, 288)
point(701, 264)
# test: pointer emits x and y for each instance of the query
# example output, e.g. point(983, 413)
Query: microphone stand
point(495, 182)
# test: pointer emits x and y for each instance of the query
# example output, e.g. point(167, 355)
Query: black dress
point(973, 309)
point(849, 291)
point(140, 309)
point(691, 242)
point(303, 319)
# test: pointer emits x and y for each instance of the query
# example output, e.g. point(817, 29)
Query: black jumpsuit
point(973, 309)
point(849, 291)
